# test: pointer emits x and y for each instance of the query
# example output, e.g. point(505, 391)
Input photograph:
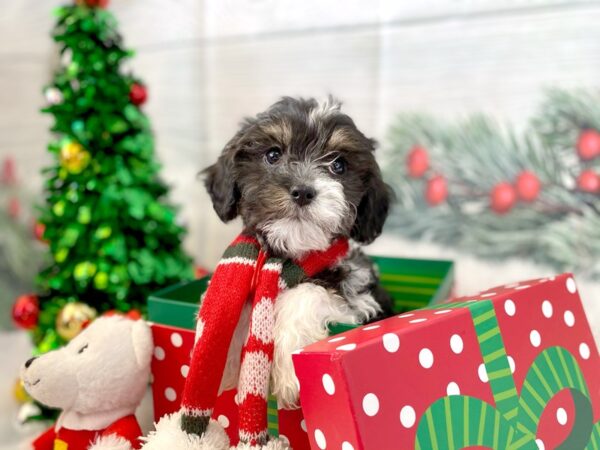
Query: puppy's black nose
point(303, 195)
point(29, 361)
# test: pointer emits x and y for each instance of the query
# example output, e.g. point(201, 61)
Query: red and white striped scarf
point(245, 273)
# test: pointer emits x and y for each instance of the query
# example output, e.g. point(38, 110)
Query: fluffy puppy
point(301, 174)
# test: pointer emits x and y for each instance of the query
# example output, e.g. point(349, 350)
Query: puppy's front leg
point(302, 316)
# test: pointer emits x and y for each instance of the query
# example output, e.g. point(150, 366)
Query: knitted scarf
point(245, 273)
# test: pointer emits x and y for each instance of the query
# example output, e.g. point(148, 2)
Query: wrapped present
point(515, 367)
point(172, 311)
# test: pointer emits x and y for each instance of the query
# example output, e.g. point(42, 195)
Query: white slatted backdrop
point(208, 63)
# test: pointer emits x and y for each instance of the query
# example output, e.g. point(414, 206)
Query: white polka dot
point(371, 327)
point(347, 446)
point(488, 294)
point(571, 286)
point(407, 416)
point(569, 318)
point(284, 438)
point(561, 416)
point(443, 311)
point(337, 339)
point(525, 286)
point(223, 420)
point(328, 384)
point(346, 347)
point(540, 444)
point(511, 363)
point(417, 320)
point(320, 439)
point(452, 389)
point(402, 316)
point(426, 358)
point(547, 309)
point(176, 340)
point(456, 344)
point(584, 350)
point(185, 370)
point(170, 394)
point(159, 353)
point(391, 342)
point(297, 352)
point(482, 372)
point(370, 404)
point(535, 338)
point(510, 307)
point(303, 425)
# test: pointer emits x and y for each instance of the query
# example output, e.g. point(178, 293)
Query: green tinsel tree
point(482, 188)
point(112, 234)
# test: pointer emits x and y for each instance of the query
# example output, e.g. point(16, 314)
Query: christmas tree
point(482, 188)
point(111, 233)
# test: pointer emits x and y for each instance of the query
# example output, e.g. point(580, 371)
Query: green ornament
point(103, 232)
point(84, 215)
point(101, 280)
point(73, 69)
point(84, 271)
point(59, 208)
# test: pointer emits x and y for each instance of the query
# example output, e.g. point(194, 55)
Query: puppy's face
point(300, 174)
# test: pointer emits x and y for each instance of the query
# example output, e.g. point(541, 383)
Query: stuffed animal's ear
point(141, 338)
point(373, 209)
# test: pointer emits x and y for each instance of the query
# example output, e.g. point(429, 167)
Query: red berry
point(503, 198)
point(588, 181)
point(97, 3)
point(38, 231)
point(528, 186)
point(25, 311)
point(588, 144)
point(138, 94)
point(436, 191)
point(417, 162)
point(14, 208)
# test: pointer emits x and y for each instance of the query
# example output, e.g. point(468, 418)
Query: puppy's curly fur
point(301, 174)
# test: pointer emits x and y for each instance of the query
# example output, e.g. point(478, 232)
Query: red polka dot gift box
point(514, 367)
point(172, 311)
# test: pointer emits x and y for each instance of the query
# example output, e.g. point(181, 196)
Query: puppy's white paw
point(280, 443)
point(168, 435)
point(302, 316)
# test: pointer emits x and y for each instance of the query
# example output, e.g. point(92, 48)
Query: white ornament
point(53, 96)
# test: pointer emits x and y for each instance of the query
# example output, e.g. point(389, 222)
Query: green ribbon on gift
point(456, 422)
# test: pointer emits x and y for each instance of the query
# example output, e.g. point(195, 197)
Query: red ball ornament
point(589, 181)
point(528, 186)
point(138, 94)
point(588, 144)
point(26, 311)
point(503, 198)
point(417, 162)
point(38, 231)
point(436, 191)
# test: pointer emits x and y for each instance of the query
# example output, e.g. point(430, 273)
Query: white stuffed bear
point(97, 380)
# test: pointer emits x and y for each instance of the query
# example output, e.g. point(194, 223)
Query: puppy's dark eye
point(83, 349)
point(338, 166)
point(273, 155)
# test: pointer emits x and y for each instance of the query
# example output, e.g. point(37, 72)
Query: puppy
point(300, 175)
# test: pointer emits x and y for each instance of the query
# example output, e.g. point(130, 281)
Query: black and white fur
point(300, 145)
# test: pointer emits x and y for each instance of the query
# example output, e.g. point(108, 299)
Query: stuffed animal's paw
point(280, 443)
point(110, 442)
point(168, 435)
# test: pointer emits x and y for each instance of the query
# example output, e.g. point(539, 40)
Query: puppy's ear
point(220, 182)
point(373, 209)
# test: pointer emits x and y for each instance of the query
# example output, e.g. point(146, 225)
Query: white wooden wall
point(209, 63)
